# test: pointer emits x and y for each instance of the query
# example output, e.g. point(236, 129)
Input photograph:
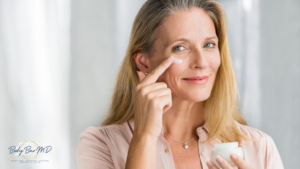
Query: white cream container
point(225, 150)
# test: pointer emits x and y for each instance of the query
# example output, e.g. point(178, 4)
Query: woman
point(160, 117)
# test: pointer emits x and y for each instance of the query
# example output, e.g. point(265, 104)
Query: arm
point(142, 153)
point(150, 103)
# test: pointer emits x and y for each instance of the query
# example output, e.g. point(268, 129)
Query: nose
point(199, 60)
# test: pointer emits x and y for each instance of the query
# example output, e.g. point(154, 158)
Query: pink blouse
point(106, 147)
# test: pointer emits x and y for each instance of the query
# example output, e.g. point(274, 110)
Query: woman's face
point(190, 36)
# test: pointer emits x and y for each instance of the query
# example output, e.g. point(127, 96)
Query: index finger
point(159, 70)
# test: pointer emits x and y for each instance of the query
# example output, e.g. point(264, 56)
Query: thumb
point(141, 75)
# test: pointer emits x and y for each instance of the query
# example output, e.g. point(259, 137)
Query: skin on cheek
point(172, 77)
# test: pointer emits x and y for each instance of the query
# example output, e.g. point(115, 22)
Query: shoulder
point(253, 132)
point(105, 133)
point(264, 143)
point(91, 131)
point(100, 146)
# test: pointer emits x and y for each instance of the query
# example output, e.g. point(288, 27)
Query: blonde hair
point(221, 108)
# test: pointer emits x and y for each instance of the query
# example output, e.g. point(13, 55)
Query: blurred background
point(59, 58)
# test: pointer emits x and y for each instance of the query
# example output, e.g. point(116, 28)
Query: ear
point(141, 61)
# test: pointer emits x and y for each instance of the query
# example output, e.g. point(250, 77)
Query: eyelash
point(204, 45)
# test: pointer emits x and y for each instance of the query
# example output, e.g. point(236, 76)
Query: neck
point(182, 119)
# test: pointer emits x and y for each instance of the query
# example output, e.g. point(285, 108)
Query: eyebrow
point(187, 40)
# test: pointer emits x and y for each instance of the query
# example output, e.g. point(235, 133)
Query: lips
point(196, 78)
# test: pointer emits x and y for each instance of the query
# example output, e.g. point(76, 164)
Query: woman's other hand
point(241, 163)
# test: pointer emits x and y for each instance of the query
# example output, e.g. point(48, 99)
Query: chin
point(196, 96)
point(200, 98)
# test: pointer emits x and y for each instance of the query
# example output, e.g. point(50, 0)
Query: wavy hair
point(221, 108)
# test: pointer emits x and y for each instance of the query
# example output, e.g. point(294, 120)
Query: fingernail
point(234, 156)
point(178, 61)
point(219, 159)
point(170, 59)
point(209, 164)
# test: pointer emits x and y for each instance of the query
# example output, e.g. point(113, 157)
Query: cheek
point(214, 62)
point(176, 69)
point(214, 66)
point(172, 75)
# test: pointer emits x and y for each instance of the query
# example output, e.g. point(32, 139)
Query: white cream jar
point(225, 150)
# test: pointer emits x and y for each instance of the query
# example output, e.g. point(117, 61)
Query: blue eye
point(209, 45)
point(177, 47)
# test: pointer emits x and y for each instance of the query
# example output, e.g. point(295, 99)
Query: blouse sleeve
point(272, 159)
point(92, 151)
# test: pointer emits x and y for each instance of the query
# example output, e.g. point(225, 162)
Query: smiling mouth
point(197, 80)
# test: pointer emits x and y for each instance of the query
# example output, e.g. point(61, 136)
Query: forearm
point(142, 153)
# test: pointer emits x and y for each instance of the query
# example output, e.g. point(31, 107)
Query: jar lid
point(227, 145)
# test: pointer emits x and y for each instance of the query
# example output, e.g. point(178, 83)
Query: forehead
point(193, 24)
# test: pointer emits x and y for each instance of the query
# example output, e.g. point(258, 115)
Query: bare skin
point(163, 98)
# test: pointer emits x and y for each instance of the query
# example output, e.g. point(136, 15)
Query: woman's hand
point(241, 163)
point(152, 99)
